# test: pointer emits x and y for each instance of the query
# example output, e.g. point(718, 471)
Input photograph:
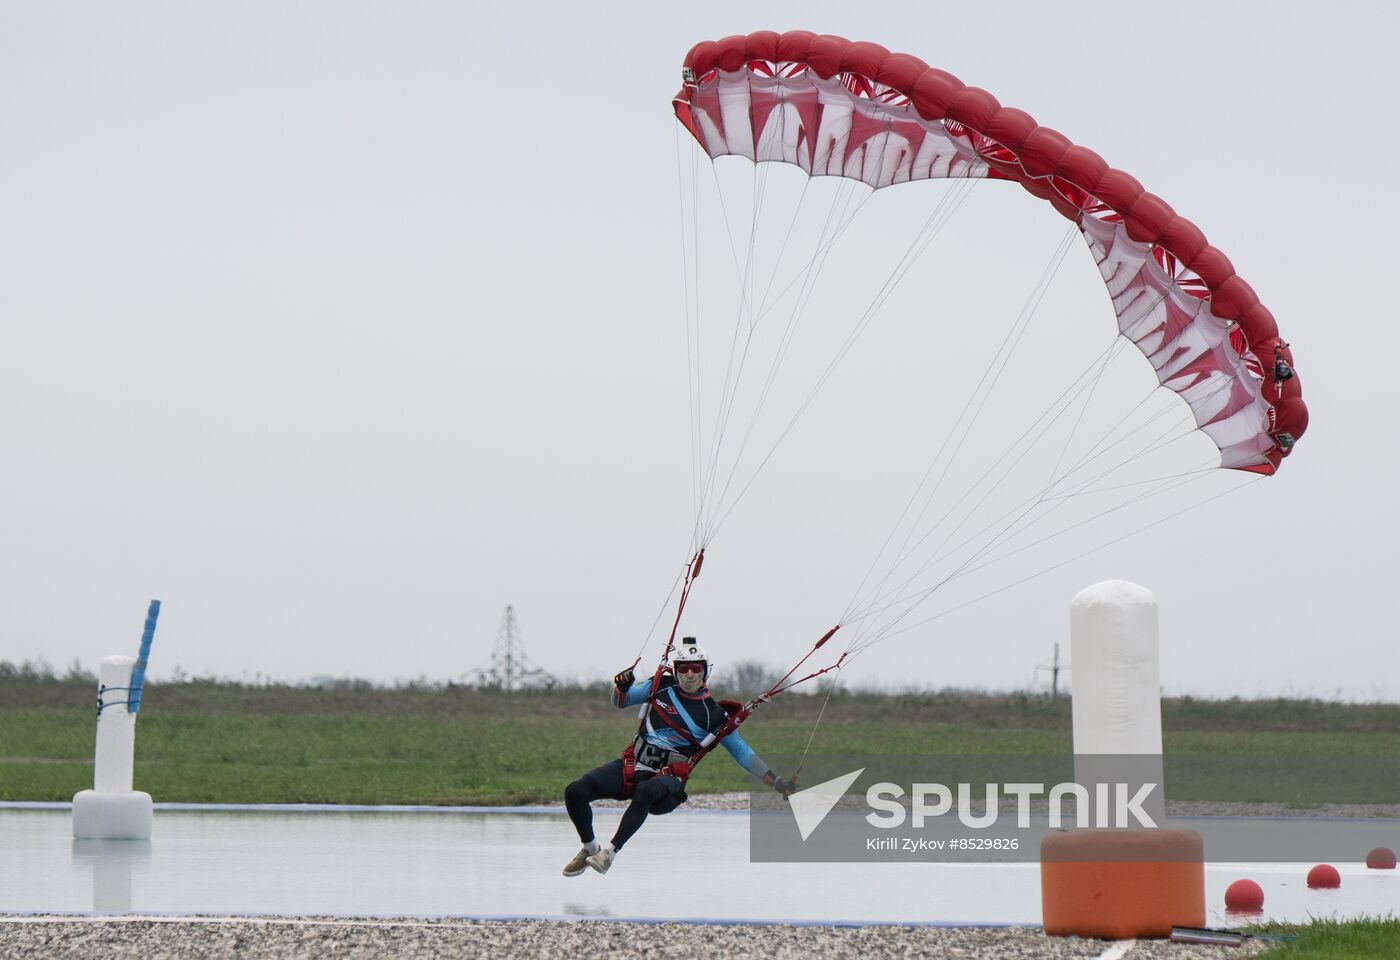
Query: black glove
point(624, 679)
point(785, 788)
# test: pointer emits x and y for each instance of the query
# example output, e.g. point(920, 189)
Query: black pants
point(653, 793)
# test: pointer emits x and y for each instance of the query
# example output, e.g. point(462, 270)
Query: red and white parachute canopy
point(855, 110)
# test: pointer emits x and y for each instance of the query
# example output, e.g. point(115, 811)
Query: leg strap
point(629, 771)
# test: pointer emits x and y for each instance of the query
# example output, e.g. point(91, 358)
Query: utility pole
point(509, 667)
point(1054, 667)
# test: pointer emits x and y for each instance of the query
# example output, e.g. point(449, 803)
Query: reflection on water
point(111, 863)
point(586, 910)
point(473, 864)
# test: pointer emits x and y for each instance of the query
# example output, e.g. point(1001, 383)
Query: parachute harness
point(735, 712)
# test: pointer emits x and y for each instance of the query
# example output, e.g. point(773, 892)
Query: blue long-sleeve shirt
point(698, 713)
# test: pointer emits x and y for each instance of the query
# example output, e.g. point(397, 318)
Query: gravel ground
point(54, 938)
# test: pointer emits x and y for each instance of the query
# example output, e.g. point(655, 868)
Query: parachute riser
point(735, 719)
point(692, 571)
point(747, 710)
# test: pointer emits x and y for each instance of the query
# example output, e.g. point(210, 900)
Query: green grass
point(1364, 939)
point(222, 742)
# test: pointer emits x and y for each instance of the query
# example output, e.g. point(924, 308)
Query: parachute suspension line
point(1016, 335)
point(1054, 412)
point(692, 350)
point(1160, 485)
point(744, 712)
point(1091, 455)
point(1253, 478)
point(730, 378)
point(888, 628)
point(1171, 482)
point(841, 200)
point(739, 271)
point(1088, 400)
point(845, 189)
point(998, 363)
point(1043, 431)
point(1070, 391)
point(756, 315)
point(792, 224)
point(760, 192)
point(1205, 467)
point(746, 281)
point(691, 269)
point(830, 689)
point(782, 252)
point(1008, 532)
point(876, 594)
point(947, 207)
point(661, 611)
point(881, 591)
point(812, 272)
point(1081, 487)
point(692, 570)
point(699, 314)
point(1153, 446)
point(1084, 487)
point(808, 277)
point(942, 214)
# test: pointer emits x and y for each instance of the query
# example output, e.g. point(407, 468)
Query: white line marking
point(1118, 950)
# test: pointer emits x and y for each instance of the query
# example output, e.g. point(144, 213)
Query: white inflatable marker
point(1117, 702)
point(1117, 699)
point(112, 810)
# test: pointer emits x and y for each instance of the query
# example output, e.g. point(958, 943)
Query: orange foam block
point(1120, 884)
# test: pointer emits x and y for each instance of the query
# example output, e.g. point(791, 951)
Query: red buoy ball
point(1244, 895)
point(1324, 876)
point(1381, 858)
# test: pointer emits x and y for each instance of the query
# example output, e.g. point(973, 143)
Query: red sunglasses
point(693, 666)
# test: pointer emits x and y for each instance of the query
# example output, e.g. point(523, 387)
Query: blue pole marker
point(138, 672)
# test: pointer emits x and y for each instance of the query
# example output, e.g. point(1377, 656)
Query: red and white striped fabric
point(837, 108)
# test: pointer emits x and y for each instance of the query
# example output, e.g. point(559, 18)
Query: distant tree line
point(739, 680)
point(40, 671)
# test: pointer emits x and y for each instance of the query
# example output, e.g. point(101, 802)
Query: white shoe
point(603, 859)
point(578, 864)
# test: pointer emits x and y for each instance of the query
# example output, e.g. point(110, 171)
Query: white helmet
point(690, 652)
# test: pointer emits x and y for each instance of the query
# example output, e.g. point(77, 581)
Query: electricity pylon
point(509, 668)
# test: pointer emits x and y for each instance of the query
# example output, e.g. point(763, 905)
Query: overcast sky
point(339, 327)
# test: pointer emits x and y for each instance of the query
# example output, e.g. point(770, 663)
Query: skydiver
point(657, 761)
